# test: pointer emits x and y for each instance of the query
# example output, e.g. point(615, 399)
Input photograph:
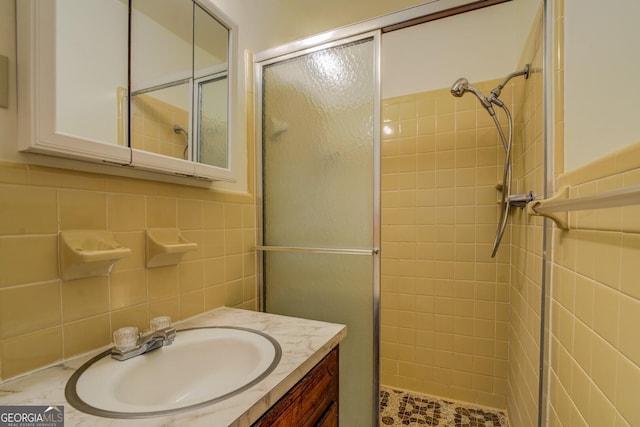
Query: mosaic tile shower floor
point(399, 409)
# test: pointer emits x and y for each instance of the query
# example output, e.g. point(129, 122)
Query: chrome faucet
point(146, 343)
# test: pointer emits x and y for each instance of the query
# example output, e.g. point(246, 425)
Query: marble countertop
point(304, 343)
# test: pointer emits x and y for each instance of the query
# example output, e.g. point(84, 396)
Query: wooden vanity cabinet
point(313, 402)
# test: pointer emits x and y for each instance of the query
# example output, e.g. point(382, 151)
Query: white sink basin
point(202, 366)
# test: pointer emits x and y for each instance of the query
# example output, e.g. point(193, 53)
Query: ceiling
point(282, 21)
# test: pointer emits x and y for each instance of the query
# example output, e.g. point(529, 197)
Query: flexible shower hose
point(506, 179)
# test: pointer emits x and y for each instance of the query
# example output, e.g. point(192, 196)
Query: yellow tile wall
point(595, 357)
point(445, 301)
point(44, 319)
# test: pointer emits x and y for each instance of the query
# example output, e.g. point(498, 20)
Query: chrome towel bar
point(342, 251)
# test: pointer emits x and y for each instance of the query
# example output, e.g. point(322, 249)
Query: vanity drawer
point(311, 402)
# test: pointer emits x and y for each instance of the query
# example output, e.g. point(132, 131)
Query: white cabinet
point(89, 89)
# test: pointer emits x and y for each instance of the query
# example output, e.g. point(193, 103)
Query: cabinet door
point(330, 418)
point(72, 60)
point(313, 402)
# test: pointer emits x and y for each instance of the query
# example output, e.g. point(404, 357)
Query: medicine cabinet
point(137, 83)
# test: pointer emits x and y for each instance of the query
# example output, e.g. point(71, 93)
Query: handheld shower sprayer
point(459, 88)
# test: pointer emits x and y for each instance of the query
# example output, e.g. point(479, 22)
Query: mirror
point(179, 81)
point(211, 48)
point(211, 126)
point(88, 86)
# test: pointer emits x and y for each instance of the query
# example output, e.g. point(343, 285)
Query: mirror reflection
point(160, 120)
point(90, 88)
point(179, 85)
point(211, 43)
point(211, 142)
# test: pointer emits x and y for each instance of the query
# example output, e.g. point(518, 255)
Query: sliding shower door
point(320, 202)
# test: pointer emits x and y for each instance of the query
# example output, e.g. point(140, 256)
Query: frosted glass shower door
point(320, 201)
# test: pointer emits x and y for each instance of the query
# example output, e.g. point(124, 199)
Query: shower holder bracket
point(521, 200)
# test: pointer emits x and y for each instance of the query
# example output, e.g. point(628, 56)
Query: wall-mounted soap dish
point(87, 253)
point(166, 246)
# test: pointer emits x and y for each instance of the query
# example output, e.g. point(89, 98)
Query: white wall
point(481, 45)
point(602, 84)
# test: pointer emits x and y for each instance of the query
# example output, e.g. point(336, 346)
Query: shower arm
point(495, 93)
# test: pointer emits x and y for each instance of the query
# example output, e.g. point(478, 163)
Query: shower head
point(461, 86)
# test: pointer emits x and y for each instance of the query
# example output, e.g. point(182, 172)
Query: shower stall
point(386, 204)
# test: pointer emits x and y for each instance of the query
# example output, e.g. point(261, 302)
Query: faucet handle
point(160, 322)
point(125, 338)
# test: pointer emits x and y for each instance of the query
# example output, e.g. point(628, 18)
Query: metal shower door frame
point(283, 53)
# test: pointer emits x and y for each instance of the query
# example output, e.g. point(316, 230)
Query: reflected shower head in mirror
point(180, 129)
